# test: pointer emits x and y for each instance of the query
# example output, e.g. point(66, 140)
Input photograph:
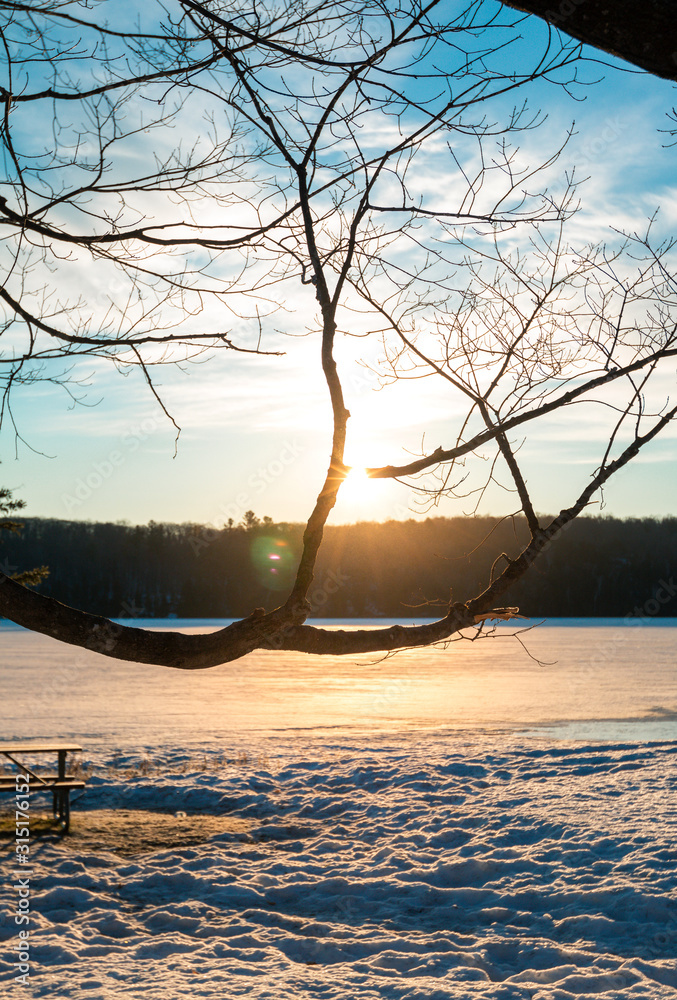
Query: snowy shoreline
point(400, 866)
point(472, 823)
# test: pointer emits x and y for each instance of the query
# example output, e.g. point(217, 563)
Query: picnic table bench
point(60, 784)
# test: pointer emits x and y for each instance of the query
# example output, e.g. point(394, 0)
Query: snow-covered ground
point(399, 867)
point(419, 862)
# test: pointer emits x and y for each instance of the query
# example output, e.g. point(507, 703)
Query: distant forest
point(601, 566)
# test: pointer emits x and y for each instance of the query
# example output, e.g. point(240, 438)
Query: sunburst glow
point(356, 484)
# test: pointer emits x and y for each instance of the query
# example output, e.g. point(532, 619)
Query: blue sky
point(255, 430)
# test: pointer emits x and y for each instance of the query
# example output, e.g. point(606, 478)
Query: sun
point(356, 484)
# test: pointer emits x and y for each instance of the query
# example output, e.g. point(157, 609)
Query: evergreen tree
point(8, 507)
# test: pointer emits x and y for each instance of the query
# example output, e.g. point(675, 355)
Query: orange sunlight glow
point(361, 498)
point(356, 484)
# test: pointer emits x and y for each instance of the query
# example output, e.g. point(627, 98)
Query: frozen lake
point(570, 679)
point(474, 823)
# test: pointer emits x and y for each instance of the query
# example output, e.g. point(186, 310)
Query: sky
point(255, 431)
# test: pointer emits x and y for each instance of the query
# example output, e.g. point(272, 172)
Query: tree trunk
point(643, 32)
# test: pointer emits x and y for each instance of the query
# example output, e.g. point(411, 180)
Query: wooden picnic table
point(60, 784)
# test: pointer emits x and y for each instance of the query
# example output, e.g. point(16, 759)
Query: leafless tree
point(288, 144)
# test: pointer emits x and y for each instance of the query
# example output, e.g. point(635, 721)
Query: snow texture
point(407, 866)
point(468, 824)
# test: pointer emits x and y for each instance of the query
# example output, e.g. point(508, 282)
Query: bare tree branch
point(356, 160)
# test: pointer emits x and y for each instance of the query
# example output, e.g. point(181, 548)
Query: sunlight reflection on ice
point(574, 675)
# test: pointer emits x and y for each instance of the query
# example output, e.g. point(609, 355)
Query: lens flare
point(273, 561)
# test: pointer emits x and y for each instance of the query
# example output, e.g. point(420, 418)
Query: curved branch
point(279, 630)
point(76, 338)
point(483, 437)
point(515, 472)
point(542, 539)
point(6, 97)
point(283, 629)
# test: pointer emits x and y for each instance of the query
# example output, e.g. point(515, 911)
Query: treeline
point(601, 566)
